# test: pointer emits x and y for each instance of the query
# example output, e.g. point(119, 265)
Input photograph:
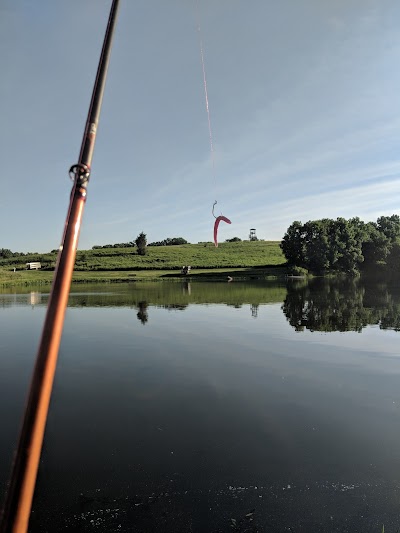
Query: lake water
point(183, 407)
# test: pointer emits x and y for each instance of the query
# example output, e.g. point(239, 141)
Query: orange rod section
point(16, 515)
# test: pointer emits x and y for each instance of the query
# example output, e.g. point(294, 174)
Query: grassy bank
point(243, 260)
point(9, 279)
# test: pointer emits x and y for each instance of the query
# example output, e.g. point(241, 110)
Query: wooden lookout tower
point(253, 236)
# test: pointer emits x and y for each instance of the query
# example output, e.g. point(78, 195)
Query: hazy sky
point(305, 108)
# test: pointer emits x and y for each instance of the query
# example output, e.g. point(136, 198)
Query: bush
point(141, 243)
point(297, 271)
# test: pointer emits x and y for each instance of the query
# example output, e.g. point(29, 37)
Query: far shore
point(45, 277)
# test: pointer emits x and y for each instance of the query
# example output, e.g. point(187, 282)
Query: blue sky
point(305, 108)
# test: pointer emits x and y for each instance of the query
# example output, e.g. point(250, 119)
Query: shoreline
point(45, 277)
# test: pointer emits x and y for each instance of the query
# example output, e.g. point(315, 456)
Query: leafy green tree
point(346, 244)
point(5, 253)
point(292, 244)
point(390, 227)
point(393, 258)
point(141, 243)
point(175, 241)
point(234, 239)
point(375, 247)
point(317, 245)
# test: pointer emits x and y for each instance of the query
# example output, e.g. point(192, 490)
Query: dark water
point(213, 407)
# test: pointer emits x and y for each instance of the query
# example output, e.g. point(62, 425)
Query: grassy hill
point(90, 264)
point(227, 255)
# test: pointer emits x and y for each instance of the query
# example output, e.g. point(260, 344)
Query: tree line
point(174, 241)
point(343, 245)
point(6, 253)
point(142, 240)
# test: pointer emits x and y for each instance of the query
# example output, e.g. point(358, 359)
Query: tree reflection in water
point(341, 305)
point(142, 314)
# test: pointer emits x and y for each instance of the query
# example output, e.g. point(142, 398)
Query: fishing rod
point(18, 503)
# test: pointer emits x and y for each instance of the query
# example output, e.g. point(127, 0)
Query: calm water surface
point(217, 407)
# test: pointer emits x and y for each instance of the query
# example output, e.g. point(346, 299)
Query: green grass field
point(243, 259)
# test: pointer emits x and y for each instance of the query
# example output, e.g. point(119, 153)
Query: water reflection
point(167, 295)
point(341, 305)
point(214, 417)
point(19, 298)
point(314, 305)
point(254, 310)
point(187, 287)
point(142, 314)
point(34, 298)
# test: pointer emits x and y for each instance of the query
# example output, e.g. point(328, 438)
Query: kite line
point(221, 217)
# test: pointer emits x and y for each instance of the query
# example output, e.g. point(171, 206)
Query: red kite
point(216, 224)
